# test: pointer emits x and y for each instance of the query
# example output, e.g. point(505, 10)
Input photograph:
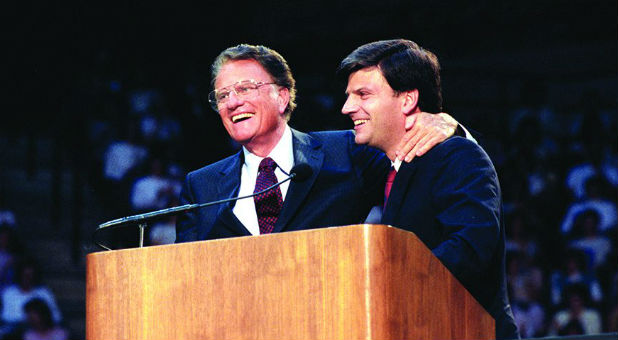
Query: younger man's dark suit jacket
point(450, 198)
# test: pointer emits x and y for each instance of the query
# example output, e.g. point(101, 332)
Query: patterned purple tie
point(267, 205)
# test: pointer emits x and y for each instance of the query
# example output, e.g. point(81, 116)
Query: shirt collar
point(396, 164)
point(282, 154)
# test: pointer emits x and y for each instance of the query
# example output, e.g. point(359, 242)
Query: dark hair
point(576, 255)
point(270, 60)
point(28, 263)
point(576, 289)
point(405, 66)
point(585, 214)
point(39, 306)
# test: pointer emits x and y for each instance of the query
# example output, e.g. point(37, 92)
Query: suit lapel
point(229, 184)
point(306, 150)
point(398, 192)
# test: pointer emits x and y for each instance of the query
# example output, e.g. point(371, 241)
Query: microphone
point(299, 173)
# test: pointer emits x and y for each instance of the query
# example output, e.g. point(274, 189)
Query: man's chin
point(360, 140)
point(241, 137)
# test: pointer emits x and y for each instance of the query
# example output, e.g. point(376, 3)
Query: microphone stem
point(142, 226)
point(141, 219)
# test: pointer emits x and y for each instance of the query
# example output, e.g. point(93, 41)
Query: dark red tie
point(389, 184)
point(267, 205)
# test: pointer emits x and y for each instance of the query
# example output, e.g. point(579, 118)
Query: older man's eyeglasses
point(244, 89)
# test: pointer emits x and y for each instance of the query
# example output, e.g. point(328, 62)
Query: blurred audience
point(592, 200)
point(28, 285)
point(122, 156)
point(40, 324)
point(525, 283)
point(578, 317)
point(574, 272)
point(155, 190)
point(10, 250)
point(14, 297)
point(163, 232)
point(588, 239)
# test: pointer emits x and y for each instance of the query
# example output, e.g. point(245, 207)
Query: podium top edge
point(366, 227)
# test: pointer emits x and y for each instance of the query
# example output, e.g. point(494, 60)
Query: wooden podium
point(354, 282)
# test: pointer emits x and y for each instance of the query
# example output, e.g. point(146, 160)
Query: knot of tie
point(267, 164)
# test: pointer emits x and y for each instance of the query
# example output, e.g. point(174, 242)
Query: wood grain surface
point(354, 282)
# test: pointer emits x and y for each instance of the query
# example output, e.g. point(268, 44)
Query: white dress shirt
point(283, 155)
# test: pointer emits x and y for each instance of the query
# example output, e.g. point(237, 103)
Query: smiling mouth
point(241, 117)
point(360, 122)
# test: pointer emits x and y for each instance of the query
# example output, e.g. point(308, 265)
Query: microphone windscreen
point(301, 172)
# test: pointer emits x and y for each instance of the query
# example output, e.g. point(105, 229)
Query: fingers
point(432, 139)
point(425, 144)
point(408, 151)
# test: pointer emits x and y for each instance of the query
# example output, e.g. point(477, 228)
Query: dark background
point(73, 66)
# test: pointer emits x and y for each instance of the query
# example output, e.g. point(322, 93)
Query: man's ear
point(410, 101)
point(283, 99)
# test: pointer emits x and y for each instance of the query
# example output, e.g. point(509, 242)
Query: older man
point(449, 197)
point(254, 93)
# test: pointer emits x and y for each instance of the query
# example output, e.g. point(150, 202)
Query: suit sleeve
point(467, 195)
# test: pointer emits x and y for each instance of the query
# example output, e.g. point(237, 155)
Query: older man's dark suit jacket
point(346, 181)
point(450, 198)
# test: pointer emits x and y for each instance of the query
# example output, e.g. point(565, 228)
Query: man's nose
point(234, 100)
point(349, 106)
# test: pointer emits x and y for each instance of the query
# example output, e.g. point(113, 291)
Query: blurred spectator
point(28, 286)
point(606, 209)
point(159, 128)
point(7, 217)
point(525, 283)
point(601, 166)
point(155, 125)
point(9, 253)
point(123, 155)
point(595, 144)
point(163, 232)
point(589, 241)
point(525, 278)
point(534, 106)
point(143, 101)
point(574, 272)
point(520, 235)
point(530, 318)
point(155, 190)
point(39, 324)
point(577, 314)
